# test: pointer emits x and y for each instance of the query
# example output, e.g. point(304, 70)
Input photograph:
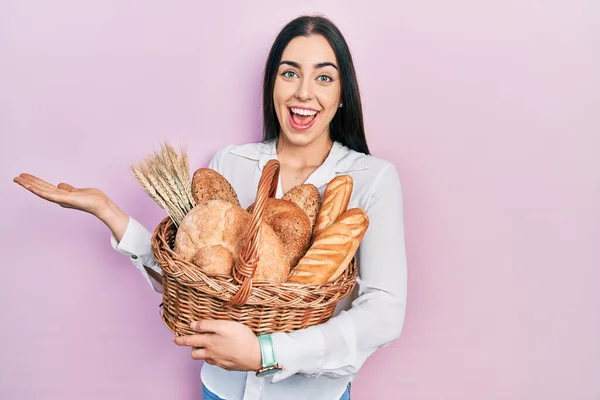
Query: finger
point(207, 326)
point(23, 181)
point(28, 184)
point(199, 340)
point(35, 186)
point(53, 195)
point(199, 353)
point(36, 180)
point(67, 187)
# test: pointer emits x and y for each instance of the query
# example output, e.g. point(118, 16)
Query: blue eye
point(289, 74)
point(324, 78)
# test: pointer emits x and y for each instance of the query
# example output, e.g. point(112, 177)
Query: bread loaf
point(358, 223)
point(291, 225)
point(335, 202)
point(331, 252)
point(208, 184)
point(307, 197)
point(212, 235)
point(324, 257)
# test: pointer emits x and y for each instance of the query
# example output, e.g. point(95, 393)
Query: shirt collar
point(340, 160)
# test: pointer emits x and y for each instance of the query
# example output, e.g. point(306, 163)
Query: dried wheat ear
point(165, 177)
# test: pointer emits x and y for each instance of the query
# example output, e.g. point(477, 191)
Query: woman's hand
point(226, 344)
point(89, 200)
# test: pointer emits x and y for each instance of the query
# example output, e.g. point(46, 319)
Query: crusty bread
point(324, 256)
point(358, 223)
point(291, 225)
point(212, 235)
point(208, 184)
point(335, 202)
point(331, 252)
point(272, 265)
point(307, 197)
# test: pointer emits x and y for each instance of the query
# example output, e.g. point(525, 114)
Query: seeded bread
point(307, 197)
point(208, 184)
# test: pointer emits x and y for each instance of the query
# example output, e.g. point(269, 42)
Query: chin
point(297, 139)
point(300, 138)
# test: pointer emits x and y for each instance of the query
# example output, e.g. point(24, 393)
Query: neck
point(303, 156)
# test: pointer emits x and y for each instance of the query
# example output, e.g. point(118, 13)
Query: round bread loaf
point(208, 184)
point(212, 235)
point(307, 197)
point(290, 224)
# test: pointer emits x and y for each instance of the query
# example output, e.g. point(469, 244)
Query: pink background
point(490, 111)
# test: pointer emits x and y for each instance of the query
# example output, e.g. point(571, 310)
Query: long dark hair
point(347, 125)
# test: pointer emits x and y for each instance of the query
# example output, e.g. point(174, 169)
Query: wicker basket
point(265, 307)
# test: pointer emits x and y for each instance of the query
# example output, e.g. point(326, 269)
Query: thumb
point(67, 187)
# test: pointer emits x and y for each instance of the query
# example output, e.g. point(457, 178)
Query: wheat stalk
point(164, 176)
point(181, 170)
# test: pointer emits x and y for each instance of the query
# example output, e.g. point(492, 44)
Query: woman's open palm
point(90, 200)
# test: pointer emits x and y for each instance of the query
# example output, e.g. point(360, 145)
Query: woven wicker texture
point(265, 307)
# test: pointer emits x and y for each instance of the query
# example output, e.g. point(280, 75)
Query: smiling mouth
point(301, 116)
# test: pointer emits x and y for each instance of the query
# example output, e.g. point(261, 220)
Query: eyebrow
point(317, 66)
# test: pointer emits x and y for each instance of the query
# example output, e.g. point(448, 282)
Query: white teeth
point(304, 112)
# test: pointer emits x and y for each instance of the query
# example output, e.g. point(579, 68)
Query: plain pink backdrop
point(489, 110)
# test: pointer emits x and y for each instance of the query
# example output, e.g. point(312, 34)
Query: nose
point(304, 91)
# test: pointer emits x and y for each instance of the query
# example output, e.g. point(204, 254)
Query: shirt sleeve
point(340, 346)
point(136, 241)
point(136, 244)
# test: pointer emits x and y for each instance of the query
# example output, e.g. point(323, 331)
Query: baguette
point(358, 223)
point(331, 252)
point(335, 202)
point(324, 256)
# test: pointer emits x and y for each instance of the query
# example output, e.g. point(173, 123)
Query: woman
point(313, 125)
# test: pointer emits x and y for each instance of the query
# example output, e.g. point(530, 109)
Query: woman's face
point(307, 90)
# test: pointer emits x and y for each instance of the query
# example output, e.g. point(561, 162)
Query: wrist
point(106, 211)
point(114, 218)
point(257, 363)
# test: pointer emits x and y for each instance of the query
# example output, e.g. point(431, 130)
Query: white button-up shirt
point(318, 362)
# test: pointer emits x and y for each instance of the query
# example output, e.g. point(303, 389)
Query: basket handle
point(245, 265)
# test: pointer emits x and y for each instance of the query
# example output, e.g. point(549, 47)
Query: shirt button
point(134, 256)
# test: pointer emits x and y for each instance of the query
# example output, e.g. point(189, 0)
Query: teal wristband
point(267, 351)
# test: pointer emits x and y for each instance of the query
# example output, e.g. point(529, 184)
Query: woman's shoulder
point(371, 166)
point(373, 176)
